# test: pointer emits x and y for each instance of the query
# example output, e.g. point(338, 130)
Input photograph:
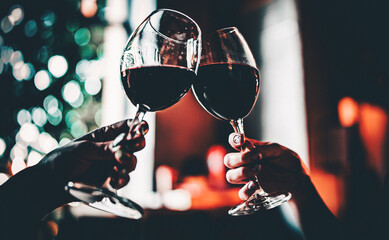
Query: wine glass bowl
point(227, 86)
point(160, 60)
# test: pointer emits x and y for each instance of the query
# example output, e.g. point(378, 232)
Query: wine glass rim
point(227, 29)
point(197, 37)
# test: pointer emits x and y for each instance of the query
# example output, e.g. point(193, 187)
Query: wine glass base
point(105, 200)
point(259, 201)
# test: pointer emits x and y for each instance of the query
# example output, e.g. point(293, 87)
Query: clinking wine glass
point(227, 86)
point(158, 66)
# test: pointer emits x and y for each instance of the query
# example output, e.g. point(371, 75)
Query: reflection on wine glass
point(158, 66)
point(227, 86)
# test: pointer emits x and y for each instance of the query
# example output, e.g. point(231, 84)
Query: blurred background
point(325, 79)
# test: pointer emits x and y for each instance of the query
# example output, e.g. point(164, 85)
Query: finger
point(119, 178)
point(236, 140)
point(134, 144)
point(142, 128)
point(125, 160)
point(234, 160)
point(247, 190)
point(241, 174)
point(124, 178)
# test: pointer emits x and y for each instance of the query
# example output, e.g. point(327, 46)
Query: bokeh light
point(42, 80)
point(23, 116)
point(3, 178)
point(28, 132)
point(16, 57)
point(31, 28)
point(22, 71)
point(17, 14)
point(88, 8)
point(78, 129)
point(71, 117)
point(92, 86)
point(55, 118)
point(18, 165)
point(43, 54)
point(1, 66)
point(6, 53)
point(3, 146)
point(51, 104)
point(64, 141)
point(99, 117)
point(19, 151)
point(48, 18)
point(71, 92)
point(6, 25)
point(33, 158)
point(39, 116)
point(83, 70)
point(47, 143)
point(82, 36)
point(58, 66)
point(348, 111)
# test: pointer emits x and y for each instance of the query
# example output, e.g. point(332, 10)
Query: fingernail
point(251, 185)
point(237, 139)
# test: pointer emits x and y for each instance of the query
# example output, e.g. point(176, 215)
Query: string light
point(3, 146)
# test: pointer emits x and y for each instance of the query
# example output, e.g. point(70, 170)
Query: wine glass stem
point(140, 113)
point(237, 125)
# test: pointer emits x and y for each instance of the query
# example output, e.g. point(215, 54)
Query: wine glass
point(158, 66)
point(227, 86)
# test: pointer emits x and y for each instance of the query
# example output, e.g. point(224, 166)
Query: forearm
point(316, 219)
point(28, 196)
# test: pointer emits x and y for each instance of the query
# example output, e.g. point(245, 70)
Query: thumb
point(236, 140)
point(240, 142)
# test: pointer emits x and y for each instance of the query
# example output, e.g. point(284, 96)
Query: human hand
point(278, 168)
point(91, 159)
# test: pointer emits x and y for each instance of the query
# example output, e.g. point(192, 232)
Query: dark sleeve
point(26, 198)
point(374, 224)
point(383, 212)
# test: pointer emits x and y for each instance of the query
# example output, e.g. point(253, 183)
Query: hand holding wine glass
point(227, 87)
point(158, 66)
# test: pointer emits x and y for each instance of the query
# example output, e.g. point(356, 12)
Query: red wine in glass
point(227, 90)
point(157, 87)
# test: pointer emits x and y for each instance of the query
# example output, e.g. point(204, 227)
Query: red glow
point(204, 197)
point(348, 111)
point(372, 127)
point(330, 189)
point(88, 8)
point(216, 169)
point(165, 178)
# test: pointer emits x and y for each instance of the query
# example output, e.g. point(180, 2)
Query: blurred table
point(174, 225)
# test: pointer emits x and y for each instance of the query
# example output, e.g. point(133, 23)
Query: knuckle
point(247, 172)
